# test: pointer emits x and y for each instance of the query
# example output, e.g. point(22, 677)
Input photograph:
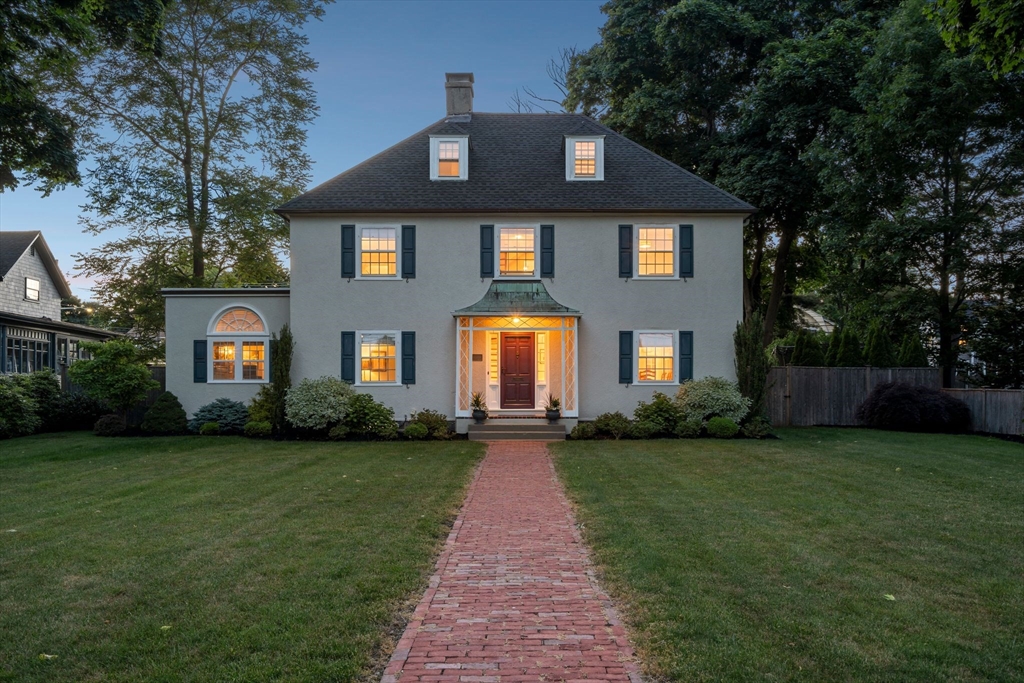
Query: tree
point(808, 351)
point(994, 323)
point(752, 364)
point(912, 353)
point(832, 352)
point(38, 37)
point(991, 29)
point(269, 403)
point(115, 374)
point(207, 140)
point(878, 350)
point(849, 354)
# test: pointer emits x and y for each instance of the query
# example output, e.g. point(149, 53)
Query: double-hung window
point(378, 252)
point(517, 252)
point(378, 357)
point(656, 251)
point(584, 157)
point(239, 347)
point(31, 289)
point(449, 157)
point(655, 357)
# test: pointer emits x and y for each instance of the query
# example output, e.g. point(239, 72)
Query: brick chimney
point(458, 91)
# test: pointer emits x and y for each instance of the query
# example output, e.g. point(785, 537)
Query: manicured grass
point(171, 559)
point(772, 560)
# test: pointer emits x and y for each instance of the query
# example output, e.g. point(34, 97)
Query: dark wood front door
point(517, 370)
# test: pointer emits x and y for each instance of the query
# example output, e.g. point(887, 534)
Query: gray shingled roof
point(12, 246)
point(516, 164)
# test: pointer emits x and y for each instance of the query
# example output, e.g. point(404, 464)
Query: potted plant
point(479, 407)
point(553, 408)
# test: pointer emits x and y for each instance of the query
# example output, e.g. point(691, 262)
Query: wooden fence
point(996, 411)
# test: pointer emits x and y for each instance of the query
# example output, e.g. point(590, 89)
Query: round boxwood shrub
point(416, 431)
point(722, 428)
point(318, 404)
point(109, 425)
point(367, 419)
point(210, 429)
point(165, 416)
point(584, 431)
point(230, 416)
point(258, 429)
point(644, 429)
point(689, 429)
point(702, 399)
point(435, 422)
point(17, 410)
point(910, 408)
point(614, 424)
point(660, 412)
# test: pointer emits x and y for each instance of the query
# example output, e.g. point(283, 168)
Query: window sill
point(378, 384)
point(655, 384)
point(656, 277)
point(377, 277)
point(238, 381)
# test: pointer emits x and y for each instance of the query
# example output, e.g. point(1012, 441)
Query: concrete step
point(516, 436)
point(514, 426)
point(517, 430)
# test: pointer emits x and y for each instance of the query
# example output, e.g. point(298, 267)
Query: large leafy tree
point(991, 29)
point(45, 37)
point(193, 149)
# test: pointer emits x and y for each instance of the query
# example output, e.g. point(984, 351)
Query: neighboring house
point(32, 336)
point(514, 255)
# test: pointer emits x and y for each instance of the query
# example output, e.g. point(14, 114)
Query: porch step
point(518, 431)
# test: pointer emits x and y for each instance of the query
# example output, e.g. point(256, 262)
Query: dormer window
point(584, 157)
point(449, 157)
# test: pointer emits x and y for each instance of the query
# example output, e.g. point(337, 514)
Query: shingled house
point(515, 255)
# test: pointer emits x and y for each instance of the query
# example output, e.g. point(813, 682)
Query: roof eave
point(286, 213)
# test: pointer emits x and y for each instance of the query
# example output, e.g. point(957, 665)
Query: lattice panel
point(464, 356)
point(516, 323)
point(570, 370)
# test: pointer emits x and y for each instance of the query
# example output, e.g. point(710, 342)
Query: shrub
point(644, 429)
point(660, 412)
point(17, 411)
point(585, 431)
point(43, 388)
point(270, 401)
point(722, 428)
point(229, 415)
point(165, 416)
point(338, 433)
point(210, 429)
point(115, 374)
point(808, 351)
point(78, 411)
point(613, 424)
point(904, 407)
point(878, 350)
point(318, 404)
point(703, 399)
point(849, 354)
point(367, 419)
point(258, 430)
point(832, 353)
point(912, 353)
point(689, 429)
point(757, 428)
point(416, 431)
point(435, 422)
point(109, 425)
point(752, 362)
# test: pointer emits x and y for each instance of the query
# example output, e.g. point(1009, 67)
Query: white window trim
point(636, 358)
point(213, 335)
point(359, 252)
point(675, 252)
point(398, 359)
point(463, 141)
point(570, 157)
point(38, 289)
point(536, 252)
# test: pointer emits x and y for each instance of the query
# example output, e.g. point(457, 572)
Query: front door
point(517, 370)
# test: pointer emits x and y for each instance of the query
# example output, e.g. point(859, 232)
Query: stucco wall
point(188, 317)
point(447, 278)
point(12, 289)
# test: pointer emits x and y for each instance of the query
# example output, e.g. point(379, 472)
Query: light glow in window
point(240, 320)
point(378, 252)
point(657, 254)
point(656, 357)
point(585, 158)
point(253, 360)
point(224, 360)
point(493, 371)
point(377, 358)
point(542, 358)
point(517, 251)
point(448, 159)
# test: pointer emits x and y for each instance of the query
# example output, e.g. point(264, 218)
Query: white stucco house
point(514, 255)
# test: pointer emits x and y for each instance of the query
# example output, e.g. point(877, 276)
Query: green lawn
point(772, 560)
point(170, 559)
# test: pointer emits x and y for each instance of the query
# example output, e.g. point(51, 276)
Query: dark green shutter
point(408, 358)
point(625, 357)
point(685, 356)
point(348, 357)
point(486, 251)
point(408, 251)
point(348, 251)
point(625, 251)
point(199, 360)
point(685, 251)
point(547, 251)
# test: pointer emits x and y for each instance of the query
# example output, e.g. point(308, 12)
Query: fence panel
point(996, 411)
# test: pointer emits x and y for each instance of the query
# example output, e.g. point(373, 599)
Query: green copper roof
point(517, 297)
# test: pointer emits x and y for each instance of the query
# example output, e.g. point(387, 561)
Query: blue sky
point(380, 79)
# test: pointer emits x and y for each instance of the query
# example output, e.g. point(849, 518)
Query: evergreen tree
point(752, 364)
point(879, 351)
point(832, 354)
point(849, 355)
point(808, 351)
point(912, 353)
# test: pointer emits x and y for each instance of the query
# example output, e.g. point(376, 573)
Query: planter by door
point(517, 371)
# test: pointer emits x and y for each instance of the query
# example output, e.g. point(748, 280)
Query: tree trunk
point(786, 240)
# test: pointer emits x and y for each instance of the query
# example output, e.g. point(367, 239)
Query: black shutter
point(547, 251)
point(625, 251)
point(348, 357)
point(685, 251)
point(199, 360)
point(408, 358)
point(408, 251)
point(486, 251)
point(625, 357)
point(348, 251)
point(685, 356)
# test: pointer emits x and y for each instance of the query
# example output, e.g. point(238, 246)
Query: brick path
point(513, 597)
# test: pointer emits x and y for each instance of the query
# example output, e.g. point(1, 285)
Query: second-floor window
point(378, 252)
point(517, 252)
point(31, 289)
point(656, 252)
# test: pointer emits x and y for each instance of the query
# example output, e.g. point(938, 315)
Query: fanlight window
point(240, 320)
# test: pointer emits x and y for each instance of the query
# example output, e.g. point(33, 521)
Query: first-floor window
point(26, 355)
point(239, 361)
point(656, 357)
point(378, 358)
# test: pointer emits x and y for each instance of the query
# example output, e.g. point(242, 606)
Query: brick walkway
point(513, 597)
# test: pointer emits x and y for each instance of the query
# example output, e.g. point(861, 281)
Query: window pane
point(377, 360)
point(656, 253)
point(31, 289)
point(656, 357)
point(448, 159)
point(378, 251)
point(224, 360)
point(517, 251)
point(586, 158)
point(240, 320)
point(253, 360)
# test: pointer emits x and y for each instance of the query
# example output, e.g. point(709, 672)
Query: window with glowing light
point(586, 158)
point(378, 252)
point(378, 358)
point(238, 347)
point(517, 249)
point(448, 159)
point(240, 320)
point(542, 357)
point(656, 252)
point(656, 357)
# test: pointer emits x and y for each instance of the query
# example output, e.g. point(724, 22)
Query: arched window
point(239, 347)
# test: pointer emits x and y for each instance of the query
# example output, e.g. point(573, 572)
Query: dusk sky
point(380, 79)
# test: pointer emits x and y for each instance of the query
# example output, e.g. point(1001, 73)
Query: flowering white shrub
point(702, 399)
point(318, 403)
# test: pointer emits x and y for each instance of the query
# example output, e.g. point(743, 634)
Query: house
point(32, 335)
point(514, 255)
